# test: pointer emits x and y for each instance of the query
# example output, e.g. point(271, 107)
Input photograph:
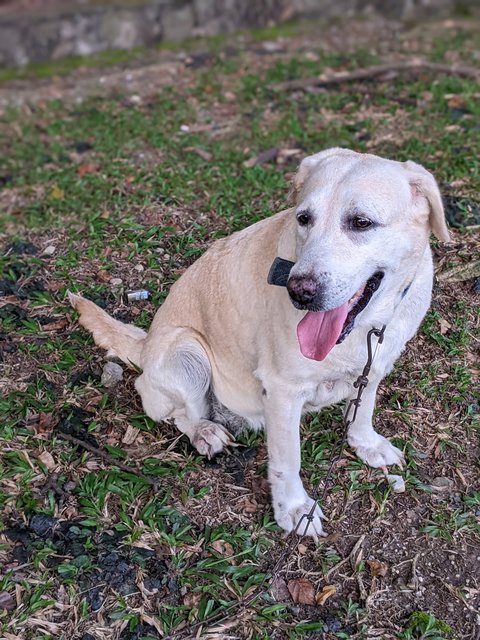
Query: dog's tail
point(122, 340)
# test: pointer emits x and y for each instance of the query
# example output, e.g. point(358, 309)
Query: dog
point(228, 346)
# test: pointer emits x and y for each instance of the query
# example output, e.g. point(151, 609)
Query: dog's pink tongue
point(318, 331)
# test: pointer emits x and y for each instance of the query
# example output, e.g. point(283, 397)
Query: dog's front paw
point(376, 451)
point(210, 438)
point(295, 516)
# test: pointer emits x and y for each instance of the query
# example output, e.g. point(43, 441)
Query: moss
point(65, 66)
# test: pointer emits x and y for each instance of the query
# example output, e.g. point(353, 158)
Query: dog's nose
point(302, 289)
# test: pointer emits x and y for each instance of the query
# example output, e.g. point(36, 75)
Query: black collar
point(280, 272)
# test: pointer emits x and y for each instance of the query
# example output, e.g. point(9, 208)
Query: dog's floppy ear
point(309, 163)
point(424, 185)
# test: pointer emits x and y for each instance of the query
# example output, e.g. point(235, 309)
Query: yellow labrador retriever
point(226, 345)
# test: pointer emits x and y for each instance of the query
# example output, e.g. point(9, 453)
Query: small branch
point(106, 456)
point(51, 484)
point(457, 592)
point(351, 556)
point(461, 272)
point(413, 583)
point(412, 66)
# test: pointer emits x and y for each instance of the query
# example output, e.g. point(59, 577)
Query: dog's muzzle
point(302, 290)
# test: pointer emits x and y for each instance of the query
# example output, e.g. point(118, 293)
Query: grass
point(119, 190)
point(425, 625)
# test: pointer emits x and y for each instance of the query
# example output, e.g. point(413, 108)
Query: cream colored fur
point(222, 327)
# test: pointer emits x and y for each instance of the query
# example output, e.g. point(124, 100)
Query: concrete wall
point(66, 28)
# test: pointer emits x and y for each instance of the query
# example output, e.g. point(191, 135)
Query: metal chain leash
point(360, 384)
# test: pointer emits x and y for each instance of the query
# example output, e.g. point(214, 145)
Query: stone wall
point(66, 28)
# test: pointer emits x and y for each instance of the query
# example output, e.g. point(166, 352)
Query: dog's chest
point(333, 381)
point(326, 392)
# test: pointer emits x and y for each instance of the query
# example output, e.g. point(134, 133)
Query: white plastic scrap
point(397, 483)
point(112, 374)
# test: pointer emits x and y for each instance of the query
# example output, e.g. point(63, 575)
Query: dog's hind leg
point(176, 384)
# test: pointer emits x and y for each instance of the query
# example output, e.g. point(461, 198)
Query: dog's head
point(363, 224)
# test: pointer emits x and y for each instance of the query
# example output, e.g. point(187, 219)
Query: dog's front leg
point(369, 445)
point(290, 500)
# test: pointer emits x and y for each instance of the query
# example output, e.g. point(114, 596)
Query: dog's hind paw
point(377, 451)
point(209, 438)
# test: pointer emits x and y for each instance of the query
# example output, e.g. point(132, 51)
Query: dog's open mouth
point(319, 331)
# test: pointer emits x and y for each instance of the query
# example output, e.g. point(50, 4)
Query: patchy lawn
point(119, 184)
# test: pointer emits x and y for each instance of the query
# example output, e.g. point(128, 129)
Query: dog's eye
point(360, 223)
point(304, 218)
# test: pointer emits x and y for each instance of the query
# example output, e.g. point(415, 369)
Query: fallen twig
point(411, 66)
point(352, 555)
point(51, 484)
point(461, 272)
point(414, 582)
point(457, 592)
point(107, 456)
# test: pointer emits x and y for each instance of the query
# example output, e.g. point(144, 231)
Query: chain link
point(360, 384)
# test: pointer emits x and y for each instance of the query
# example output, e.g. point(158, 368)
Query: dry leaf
point(152, 622)
point(19, 594)
point(103, 276)
point(223, 548)
point(284, 155)
point(46, 458)
point(323, 595)
point(377, 568)
point(331, 538)
point(205, 155)
point(57, 194)
point(40, 624)
point(105, 215)
point(192, 599)
point(455, 101)
point(7, 603)
point(453, 127)
point(162, 551)
point(86, 168)
point(45, 423)
point(445, 326)
point(302, 591)
point(264, 156)
point(251, 162)
point(458, 182)
point(249, 505)
point(55, 326)
point(279, 589)
point(302, 549)
point(130, 435)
